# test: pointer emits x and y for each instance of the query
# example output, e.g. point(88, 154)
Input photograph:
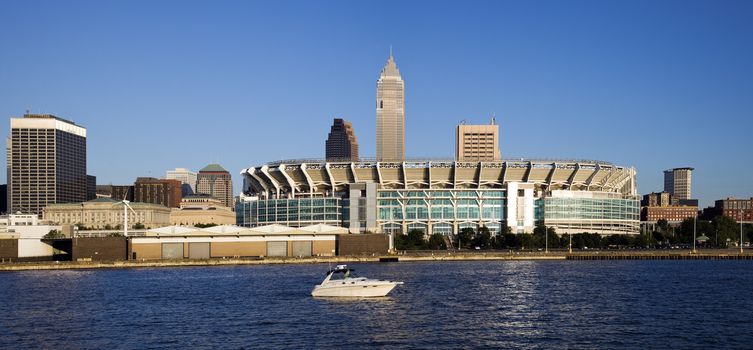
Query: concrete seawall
point(417, 257)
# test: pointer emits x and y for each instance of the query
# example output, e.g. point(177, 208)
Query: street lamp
point(695, 219)
point(741, 229)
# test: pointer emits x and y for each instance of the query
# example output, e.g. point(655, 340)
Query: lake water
point(504, 304)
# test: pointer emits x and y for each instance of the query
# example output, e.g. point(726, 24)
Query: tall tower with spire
point(390, 114)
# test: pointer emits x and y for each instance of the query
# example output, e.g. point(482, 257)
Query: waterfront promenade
point(409, 256)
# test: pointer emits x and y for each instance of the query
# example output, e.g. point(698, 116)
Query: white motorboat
point(340, 282)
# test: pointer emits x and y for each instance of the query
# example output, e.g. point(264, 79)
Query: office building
point(116, 192)
point(3, 199)
point(157, 191)
point(737, 209)
point(678, 183)
point(390, 114)
point(91, 187)
point(46, 161)
point(186, 177)
point(477, 143)
point(341, 142)
point(215, 181)
point(653, 199)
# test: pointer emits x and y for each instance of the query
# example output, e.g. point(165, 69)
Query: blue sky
point(165, 84)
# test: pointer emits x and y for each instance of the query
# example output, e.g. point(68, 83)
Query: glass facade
point(603, 215)
point(294, 212)
point(449, 211)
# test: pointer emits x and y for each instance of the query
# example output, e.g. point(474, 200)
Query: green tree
point(551, 239)
point(53, 234)
point(465, 237)
point(483, 239)
point(205, 225)
point(138, 226)
point(436, 241)
point(416, 239)
point(401, 241)
point(725, 228)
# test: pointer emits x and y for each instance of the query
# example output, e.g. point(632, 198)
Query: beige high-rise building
point(475, 143)
point(215, 181)
point(678, 182)
point(390, 114)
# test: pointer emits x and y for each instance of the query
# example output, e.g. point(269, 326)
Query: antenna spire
point(390, 50)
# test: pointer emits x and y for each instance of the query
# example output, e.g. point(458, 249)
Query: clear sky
point(165, 84)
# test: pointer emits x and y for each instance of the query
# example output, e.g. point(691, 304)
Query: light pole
point(695, 220)
point(741, 230)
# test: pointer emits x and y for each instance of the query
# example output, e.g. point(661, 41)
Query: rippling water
point(520, 304)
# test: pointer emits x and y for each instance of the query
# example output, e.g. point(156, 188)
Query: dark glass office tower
point(341, 143)
point(46, 160)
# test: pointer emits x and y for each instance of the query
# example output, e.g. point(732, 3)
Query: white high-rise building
point(390, 114)
point(185, 176)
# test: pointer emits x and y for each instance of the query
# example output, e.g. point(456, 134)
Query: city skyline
point(675, 92)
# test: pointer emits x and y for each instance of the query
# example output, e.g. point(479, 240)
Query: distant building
point(215, 181)
point(390, 114)
point(46, 160)
point(158, 191)
point(3, 199)
point(673, 214)
point(475, 143)
point(738, 209)
point(186, 177)
point(117, 192)
point(653, 199)
point(103, 212)
point(201, 209)
point(341, 142)
point(91, 187)
point(678, 183)
point(24, 233)
point(663, 206)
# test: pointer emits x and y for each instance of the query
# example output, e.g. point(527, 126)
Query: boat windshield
point(342, 274)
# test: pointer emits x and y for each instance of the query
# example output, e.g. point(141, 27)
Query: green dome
point(213, 168)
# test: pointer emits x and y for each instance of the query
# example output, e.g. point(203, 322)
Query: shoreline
point(416, 257)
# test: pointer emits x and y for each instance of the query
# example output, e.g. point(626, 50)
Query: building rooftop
point(47, 116)
point(213, 168)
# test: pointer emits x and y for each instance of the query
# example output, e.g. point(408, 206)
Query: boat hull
point(354, 290)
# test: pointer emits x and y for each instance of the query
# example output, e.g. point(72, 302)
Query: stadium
point(443, 195)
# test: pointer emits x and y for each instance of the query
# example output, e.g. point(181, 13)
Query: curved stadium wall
point(443, 196)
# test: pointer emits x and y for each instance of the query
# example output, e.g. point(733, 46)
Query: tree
point(484, 238)
point(205, 225)
point(540, 240)
point(138, 226)
point(53, 234)
point(436, 241)
point(401, 241)
point(726, 228)
point(465, 237)
point(416, 239)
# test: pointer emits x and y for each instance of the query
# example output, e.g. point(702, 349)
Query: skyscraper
point(185, 176)
point(215, 181)
point(474, 143)
point(390, 114)
point(46, 160)
point(677, 182)
point(341, 143)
